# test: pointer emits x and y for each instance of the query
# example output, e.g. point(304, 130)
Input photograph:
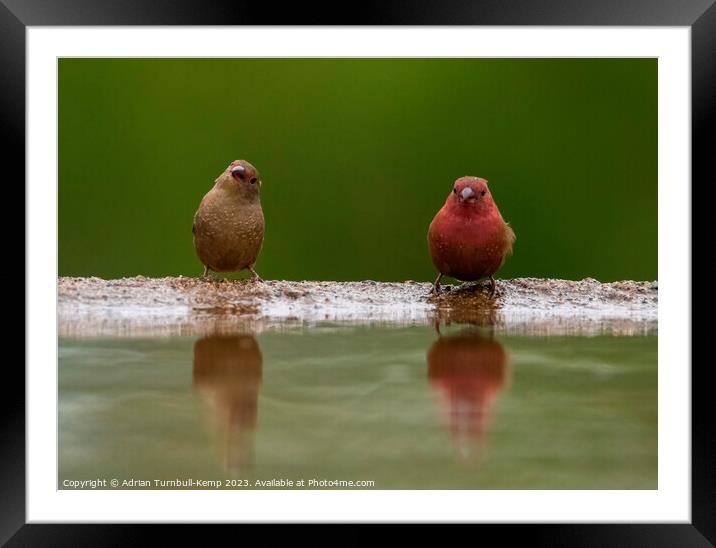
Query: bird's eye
point(454, 191)
point(252, 180)
point(482, 193)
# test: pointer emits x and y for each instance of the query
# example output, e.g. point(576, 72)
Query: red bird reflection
point(468, 371)
point(227, 376)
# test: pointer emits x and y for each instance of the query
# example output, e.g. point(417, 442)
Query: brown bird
point(229, 224)
point(468, 239)
point(227, 376)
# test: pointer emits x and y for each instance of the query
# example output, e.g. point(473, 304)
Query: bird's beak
point(238, 171)
point(466, 193)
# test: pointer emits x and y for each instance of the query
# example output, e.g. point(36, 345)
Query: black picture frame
point(699, 15)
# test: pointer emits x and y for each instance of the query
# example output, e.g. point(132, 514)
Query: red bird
point(469, 371)
point(468, 238)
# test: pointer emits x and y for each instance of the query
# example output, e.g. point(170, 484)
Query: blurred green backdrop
point(357, 155)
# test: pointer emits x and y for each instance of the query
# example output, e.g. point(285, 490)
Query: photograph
point(357, 273)
point(412, 264)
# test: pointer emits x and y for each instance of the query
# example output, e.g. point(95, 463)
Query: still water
point(402, 407)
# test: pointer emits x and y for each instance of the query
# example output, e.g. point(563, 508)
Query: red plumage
point(468, 238)
point(468, 371)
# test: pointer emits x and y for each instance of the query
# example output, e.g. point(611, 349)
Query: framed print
point(426, 265)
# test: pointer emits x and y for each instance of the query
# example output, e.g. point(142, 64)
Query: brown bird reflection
point(227, 376)
point(468, 371)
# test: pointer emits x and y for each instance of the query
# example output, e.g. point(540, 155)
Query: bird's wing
point(193, 225)
point(510, 239)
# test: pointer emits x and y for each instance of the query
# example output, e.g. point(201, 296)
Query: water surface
point(402, 407)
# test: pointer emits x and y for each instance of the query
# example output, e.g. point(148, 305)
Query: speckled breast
point(467, 251)
point(229, 239)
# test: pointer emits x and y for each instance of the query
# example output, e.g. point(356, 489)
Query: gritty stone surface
point(170, 306)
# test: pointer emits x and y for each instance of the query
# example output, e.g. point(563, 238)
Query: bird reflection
point(468, 371)
point(227, 376)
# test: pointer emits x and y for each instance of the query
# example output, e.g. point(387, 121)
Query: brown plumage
point(227, 376)
point(229, 224)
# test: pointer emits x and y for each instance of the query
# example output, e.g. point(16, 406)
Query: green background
point(357, 155)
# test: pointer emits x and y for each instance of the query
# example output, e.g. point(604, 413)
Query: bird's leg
point(256, 277)
point(436, 284)
point(492, 286)
point(206, 272)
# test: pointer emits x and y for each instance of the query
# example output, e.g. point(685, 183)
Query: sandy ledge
point(142, 306)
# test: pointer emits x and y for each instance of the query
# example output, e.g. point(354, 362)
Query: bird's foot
point(436, 325)
point(255, 277)
point(436, 286)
